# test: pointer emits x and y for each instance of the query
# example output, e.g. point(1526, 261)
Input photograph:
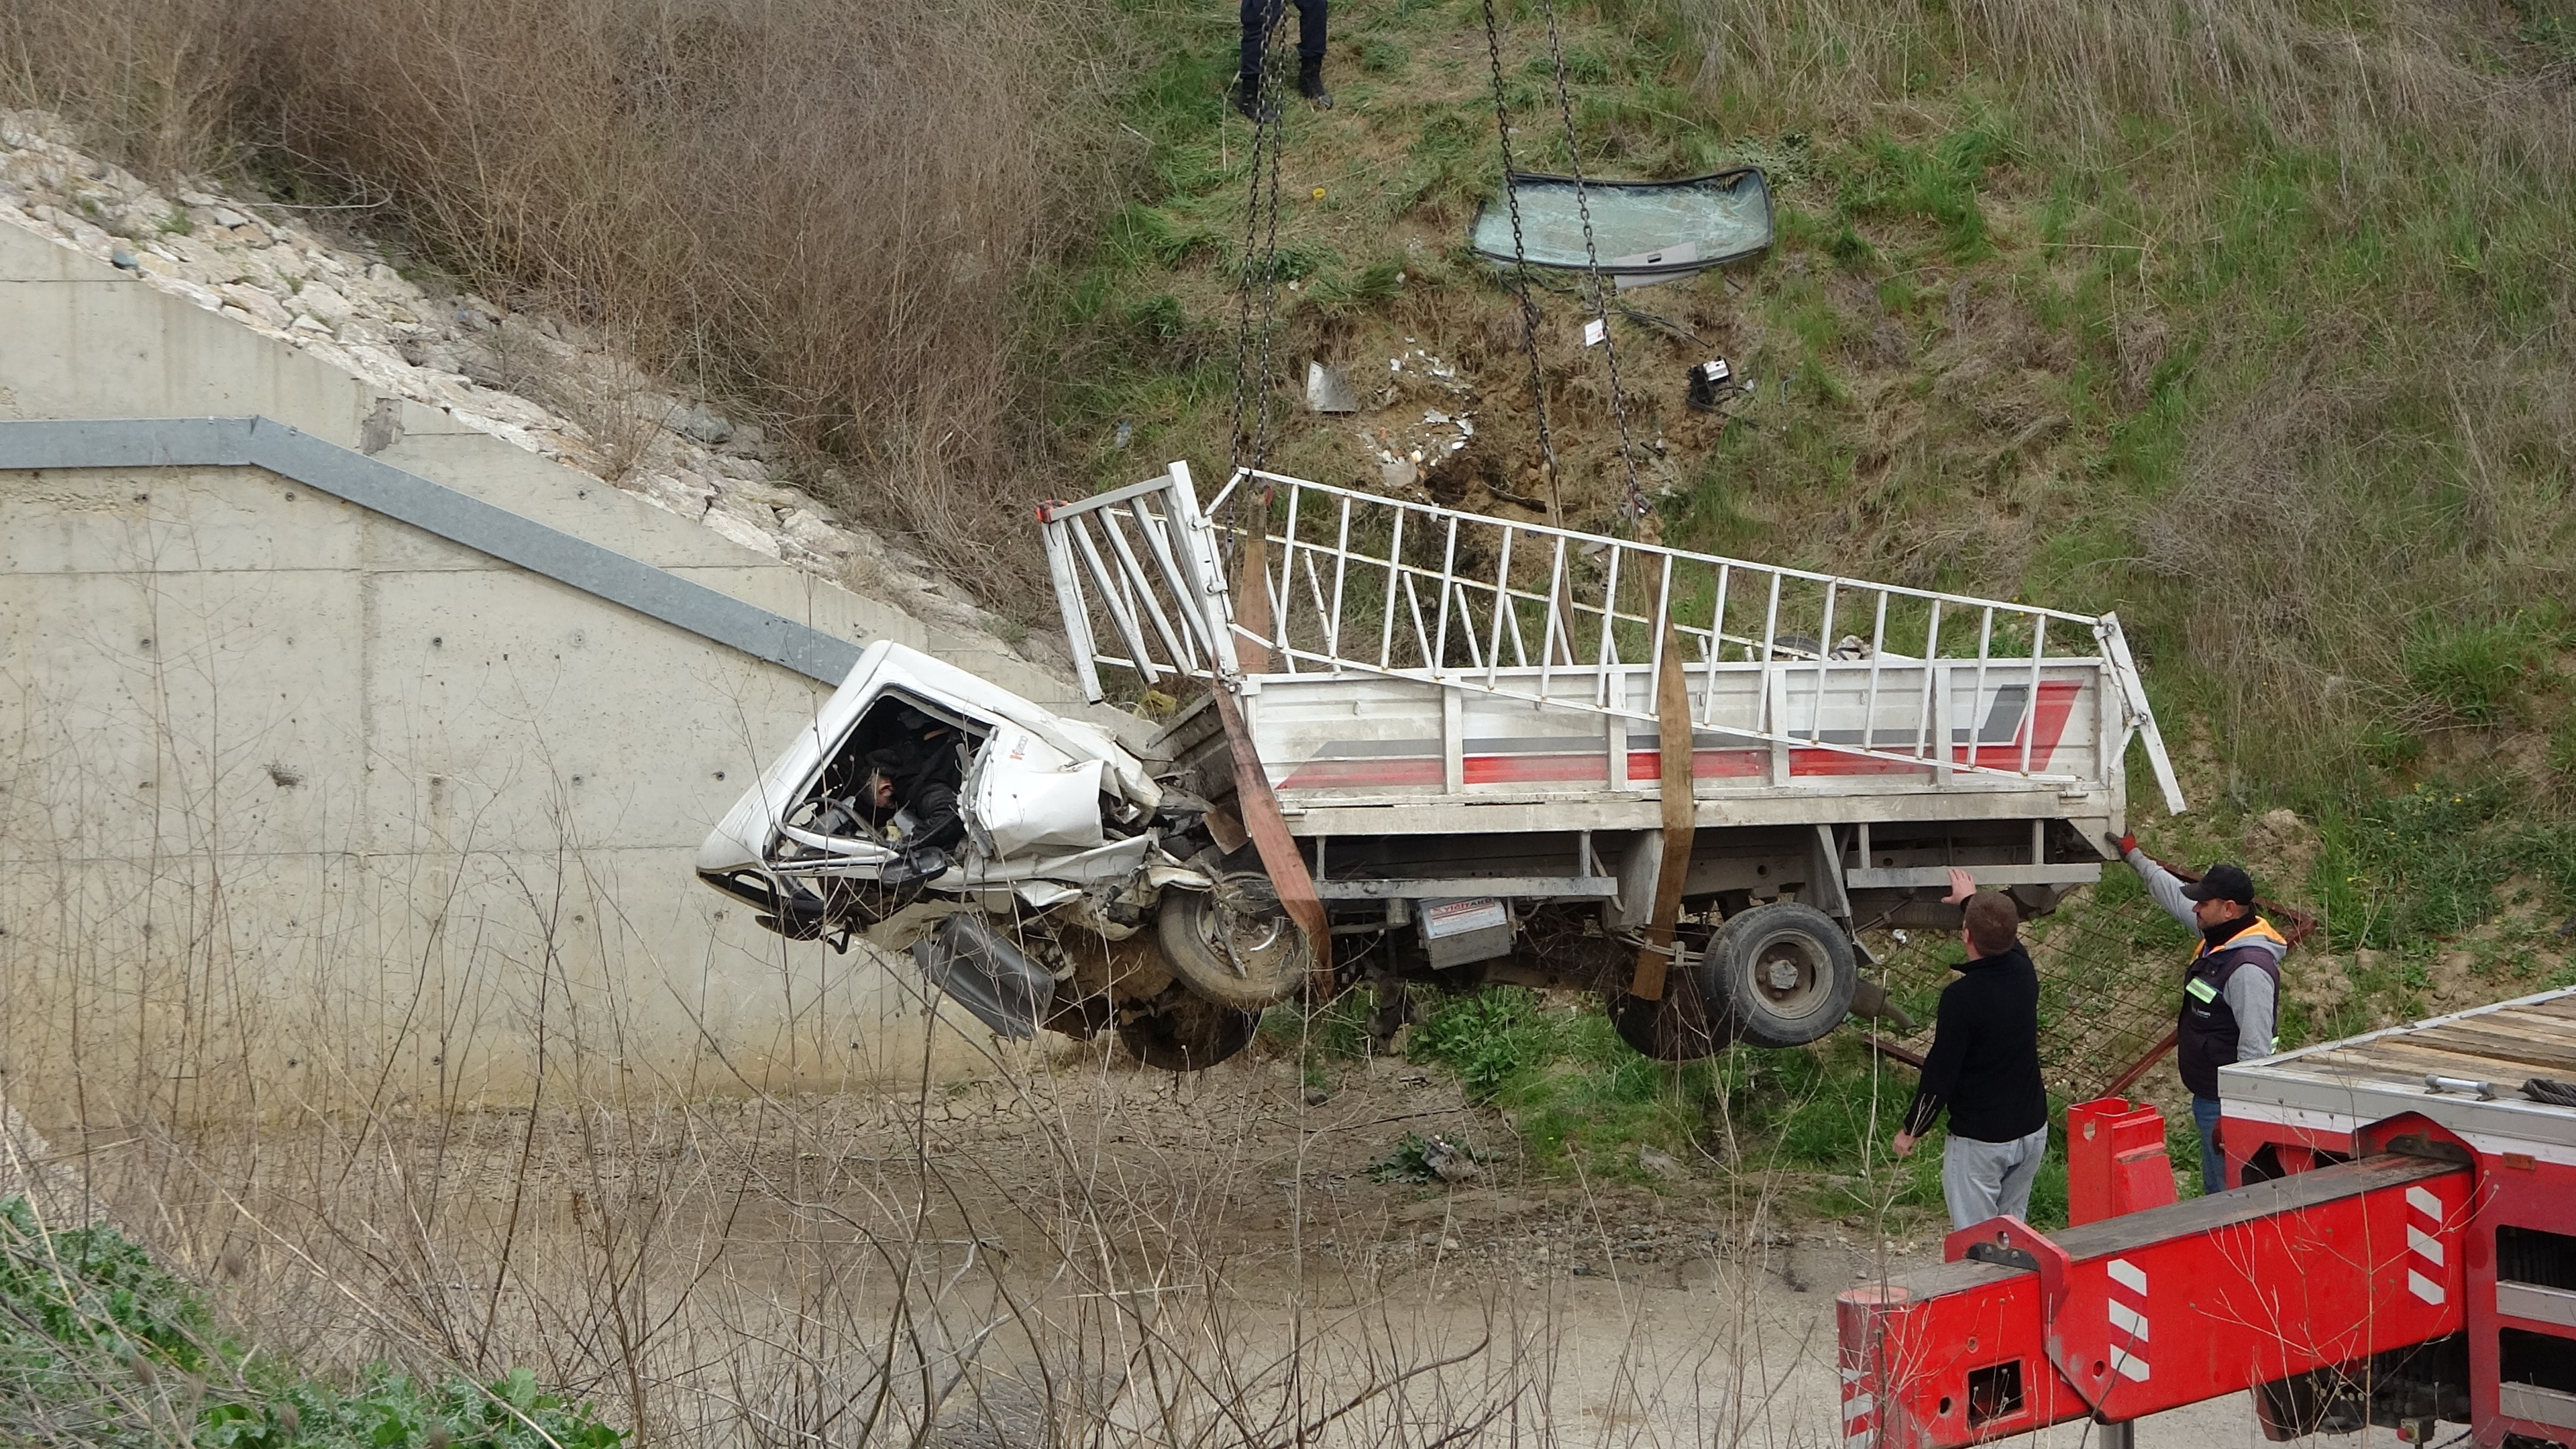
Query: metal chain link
point(1637, 505)
point(1251, 381)
point(1520, 269)
point(1269, 310)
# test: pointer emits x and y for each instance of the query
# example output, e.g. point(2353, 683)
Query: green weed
point(1379, 56)
point(2479, 673)
point(1411, 1159)
point(1334, 1032)
point(1489, 1037)
point(85, 1308)
point(2414, 867)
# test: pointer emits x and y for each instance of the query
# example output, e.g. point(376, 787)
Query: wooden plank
point(2547, 1028)
point(2393, 1061)
point(1680, 823)
point(2499, 1047)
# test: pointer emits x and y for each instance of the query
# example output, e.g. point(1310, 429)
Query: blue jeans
point(2213, 1168)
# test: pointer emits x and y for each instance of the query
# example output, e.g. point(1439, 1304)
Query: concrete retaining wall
point(302, 805)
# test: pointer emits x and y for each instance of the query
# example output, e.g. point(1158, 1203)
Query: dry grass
point(1063, 1252)
point(2355, 82)
point(823, 210)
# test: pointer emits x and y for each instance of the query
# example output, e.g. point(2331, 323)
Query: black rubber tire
point(1186, 1032)
point(1744, 971)
point(1272, 953)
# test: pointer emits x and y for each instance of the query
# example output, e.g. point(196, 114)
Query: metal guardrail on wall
point(258, 442)
point(1355, 582)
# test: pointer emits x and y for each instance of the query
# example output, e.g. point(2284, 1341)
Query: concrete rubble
point(534, 381)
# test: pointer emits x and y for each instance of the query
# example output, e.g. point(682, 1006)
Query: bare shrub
point(822, 209)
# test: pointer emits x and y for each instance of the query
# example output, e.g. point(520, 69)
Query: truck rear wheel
point(1675, 1029)
point(1234, 945)
point(1781, 974)
point(1186, 1032)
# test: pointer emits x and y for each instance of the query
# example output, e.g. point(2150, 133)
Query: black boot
point(1248, 99)
point(1310, 82)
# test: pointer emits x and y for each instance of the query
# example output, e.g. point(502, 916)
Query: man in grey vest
point(2229, 992)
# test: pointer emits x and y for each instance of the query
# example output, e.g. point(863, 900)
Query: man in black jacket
point(1984, 1069)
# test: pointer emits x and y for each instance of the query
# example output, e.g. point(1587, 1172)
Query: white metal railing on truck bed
point(1354, 582)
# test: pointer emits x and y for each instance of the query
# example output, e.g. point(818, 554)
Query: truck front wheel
point(1781, 974)
point(1234, 945)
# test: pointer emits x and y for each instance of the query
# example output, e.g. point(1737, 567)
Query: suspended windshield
point(1641, 230)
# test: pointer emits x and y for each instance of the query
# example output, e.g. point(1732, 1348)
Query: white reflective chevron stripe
point(2420, 1241)
point(1858, 1406)
point(2426, 1246)
point(2128, 1320)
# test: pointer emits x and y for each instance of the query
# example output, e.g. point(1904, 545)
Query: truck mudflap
point(981, 970)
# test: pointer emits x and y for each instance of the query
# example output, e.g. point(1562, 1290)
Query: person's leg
point(1972, 1172)
point(1310, 31)
point(2013, 1199)
point(1310, 53)
point(1257, 18)
point(2213, 1168)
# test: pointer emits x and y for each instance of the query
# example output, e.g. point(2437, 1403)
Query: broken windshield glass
point(1641, 230)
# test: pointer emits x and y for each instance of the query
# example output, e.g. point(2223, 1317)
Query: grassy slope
point(2259, 336)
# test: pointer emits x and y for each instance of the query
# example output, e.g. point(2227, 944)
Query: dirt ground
point(1701, 1312)
point(1066, 1248)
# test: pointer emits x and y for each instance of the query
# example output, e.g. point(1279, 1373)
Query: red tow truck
point(2398, 1248)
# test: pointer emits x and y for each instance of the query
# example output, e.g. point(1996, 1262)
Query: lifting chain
point(1636, 506)
point(1520, 272)
point(1251, 420)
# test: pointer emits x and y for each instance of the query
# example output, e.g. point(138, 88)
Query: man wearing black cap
point(2229, 992)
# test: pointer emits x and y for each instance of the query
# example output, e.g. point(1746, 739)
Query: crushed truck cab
point(1412, 744)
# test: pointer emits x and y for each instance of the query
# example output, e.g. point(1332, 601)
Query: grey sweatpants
point(1982, 1180)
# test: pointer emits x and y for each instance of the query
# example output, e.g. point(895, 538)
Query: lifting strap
point(1681, 819)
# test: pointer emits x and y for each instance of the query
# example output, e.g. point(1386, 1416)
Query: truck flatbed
point(2320, 1095)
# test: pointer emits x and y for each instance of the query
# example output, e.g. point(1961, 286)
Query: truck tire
point(1234, 945)
point(1781, 974)
point(1186, 1032)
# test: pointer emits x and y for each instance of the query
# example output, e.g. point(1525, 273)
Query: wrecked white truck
point(1411, 744)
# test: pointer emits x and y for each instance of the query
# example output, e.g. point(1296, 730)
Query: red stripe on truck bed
point(1583, 767)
